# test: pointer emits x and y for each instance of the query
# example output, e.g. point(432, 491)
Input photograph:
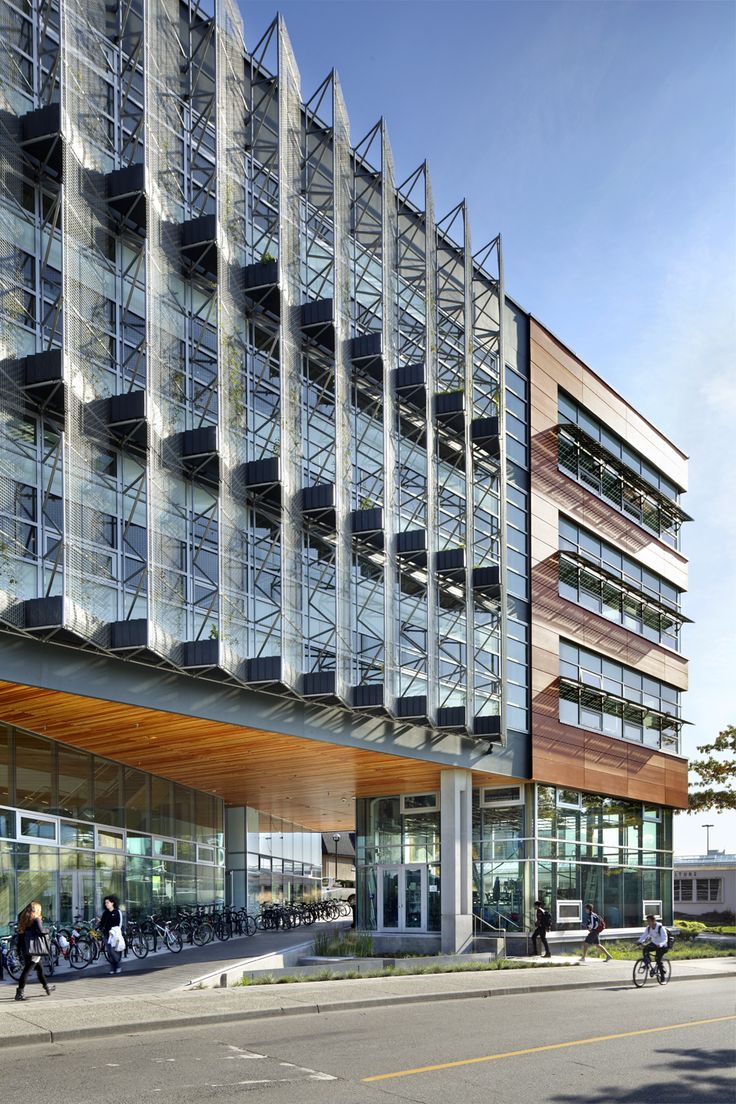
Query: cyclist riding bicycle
point(654, 935)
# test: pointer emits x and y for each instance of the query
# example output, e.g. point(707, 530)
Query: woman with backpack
point(595, 925)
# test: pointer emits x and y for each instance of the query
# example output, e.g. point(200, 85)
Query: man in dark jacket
point(543, 924)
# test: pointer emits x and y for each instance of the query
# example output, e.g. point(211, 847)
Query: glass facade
point(615, 853)
point(74, 826)
point(284, 861)
point(528, 842)
point(606, 465)
point(395, 832)
point(597, 576)
point(599, 694)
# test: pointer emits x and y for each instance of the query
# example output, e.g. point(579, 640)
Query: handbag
point(36, 946)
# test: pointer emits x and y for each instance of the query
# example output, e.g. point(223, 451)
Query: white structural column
point(456, 857)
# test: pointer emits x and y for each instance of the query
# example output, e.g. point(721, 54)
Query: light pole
point(707, 836)
point(336, 838)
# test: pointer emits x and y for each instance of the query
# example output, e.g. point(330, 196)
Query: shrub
point(347, 944)
point(689, 928)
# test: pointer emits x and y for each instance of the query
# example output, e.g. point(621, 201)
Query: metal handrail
point(498, 932)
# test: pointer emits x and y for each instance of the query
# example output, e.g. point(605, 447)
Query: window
point(683, 889)
point(419, 803)
point(165, 849)
point(708, 889)
point(38, 828)
point(502, 795)
point(569, 799)
point(109, 840)
point(602, 462)
point(616, 586)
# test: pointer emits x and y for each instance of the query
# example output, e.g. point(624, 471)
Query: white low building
point(705, 885)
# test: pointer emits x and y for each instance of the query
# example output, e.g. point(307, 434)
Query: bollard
point(223, 981)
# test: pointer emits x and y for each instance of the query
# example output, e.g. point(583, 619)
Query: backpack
point(601, 925)
point(547, 920)
point(670, 939)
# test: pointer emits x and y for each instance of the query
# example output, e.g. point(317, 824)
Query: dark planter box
point(45, 367)
point(451, 561)
point(451, 716)
point(262, 274)
point(318, 684)
point(41, 135)
point(129, 634)
point(488, 727)
point(410, 376)
point(412, 708)
point(44, 613)
point(126, 193)
point(263, 669)
point(367, 346)
point(317, 313)
point(411, 541)
point(488, 580)
point(199, 244)
point(199, 442)
point(367, 521)
point(484, 434)
point(367, 697)
point(201, 653)
point(318, 498)
point(262, 473)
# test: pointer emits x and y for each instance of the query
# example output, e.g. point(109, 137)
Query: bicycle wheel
point(250, 925)
point(664, 971)
point(202, 934)
point(173, 941)
point(80, 954)
point(14, 962)
point(641, 973)
point(47, 965)
point(138, 945)
point(222, 929)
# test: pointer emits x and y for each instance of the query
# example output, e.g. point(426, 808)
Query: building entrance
point(402, 897)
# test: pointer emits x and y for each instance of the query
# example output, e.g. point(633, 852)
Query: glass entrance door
point(402, 898)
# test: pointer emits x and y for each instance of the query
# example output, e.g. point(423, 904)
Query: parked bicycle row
point(87, 942)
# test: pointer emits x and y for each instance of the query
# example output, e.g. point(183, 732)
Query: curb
point(168, 1024)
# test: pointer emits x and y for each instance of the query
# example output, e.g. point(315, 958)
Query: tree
point(717, 776)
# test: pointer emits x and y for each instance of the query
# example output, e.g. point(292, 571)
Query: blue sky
point(600, 139)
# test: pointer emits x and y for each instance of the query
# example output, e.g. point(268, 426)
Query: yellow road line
point(549, 1046)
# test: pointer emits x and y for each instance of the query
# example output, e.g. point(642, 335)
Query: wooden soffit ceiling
point(309, 782)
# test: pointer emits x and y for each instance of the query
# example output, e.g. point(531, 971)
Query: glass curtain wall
point(615, 853)
point(74, 826)
point(530, 843)
point(386, 835)
point(283, 860)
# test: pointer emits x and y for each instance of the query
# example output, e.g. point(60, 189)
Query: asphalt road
point(613, 1045)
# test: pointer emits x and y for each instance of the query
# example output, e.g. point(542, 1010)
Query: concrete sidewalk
point(43, 1019)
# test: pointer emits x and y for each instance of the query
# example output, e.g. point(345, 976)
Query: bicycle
point(71, 946)
point(644, 969)
point(171, 938)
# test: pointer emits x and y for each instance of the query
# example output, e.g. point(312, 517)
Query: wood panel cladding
point(308, 782)
point(563, 754)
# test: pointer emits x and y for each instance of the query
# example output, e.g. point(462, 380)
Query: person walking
point(543, 921)
point(34, 944)
point(111, 926)
point(595, 925)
